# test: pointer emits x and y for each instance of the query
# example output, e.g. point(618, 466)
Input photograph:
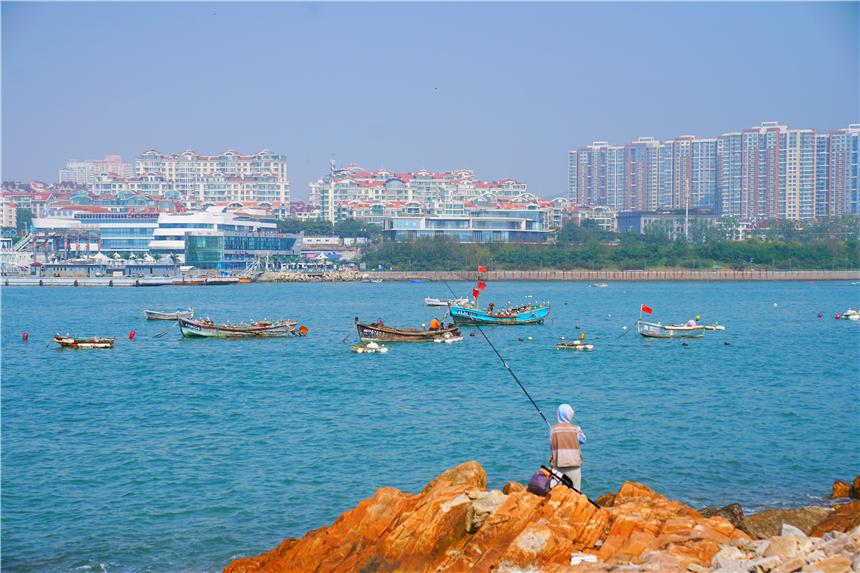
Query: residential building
point(844, 172)
point(8, 212)
point(85, 172)
point(643, 174)
point(229, 176)
point(430, 189)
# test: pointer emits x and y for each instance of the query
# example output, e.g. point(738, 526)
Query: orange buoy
point(303, 330)
point(25, 337)
point(131, 335)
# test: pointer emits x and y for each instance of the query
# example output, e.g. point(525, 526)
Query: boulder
point(855, 488)
point(606, 500)
point(512, 486)
point(767, 523)
point(843, 518)
point(733, 513)
point(453, 525)
point(837, 564)
point(840, 489)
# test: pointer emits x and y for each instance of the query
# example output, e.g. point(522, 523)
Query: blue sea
point(169, 454)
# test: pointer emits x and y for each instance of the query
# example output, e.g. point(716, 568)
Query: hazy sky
point(505, 89)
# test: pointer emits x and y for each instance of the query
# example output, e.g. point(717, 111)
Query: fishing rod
point(505, 364)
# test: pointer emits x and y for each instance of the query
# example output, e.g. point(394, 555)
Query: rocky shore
point(454, 524)
point(297, 277)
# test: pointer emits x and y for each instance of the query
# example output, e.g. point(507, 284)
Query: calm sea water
point(167, 454)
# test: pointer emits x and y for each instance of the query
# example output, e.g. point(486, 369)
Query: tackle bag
point(546, 478)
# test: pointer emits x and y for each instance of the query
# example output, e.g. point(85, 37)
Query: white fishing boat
point(173, 315)
point(430, 301)
point(657, 330)
point(575, 345)
point(851, 314)
point(714, 326)
point(599, 285)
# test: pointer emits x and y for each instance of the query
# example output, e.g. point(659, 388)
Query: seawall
point(598, 276)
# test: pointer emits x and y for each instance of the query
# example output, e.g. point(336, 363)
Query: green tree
point(25, 219)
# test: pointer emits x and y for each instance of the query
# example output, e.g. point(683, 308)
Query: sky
point(502, 88)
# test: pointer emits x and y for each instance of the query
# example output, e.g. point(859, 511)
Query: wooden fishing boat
point(208, 329)
point(75, 342)
point(375, 332)
point(523, 314)
point(657, 330)
point(174, 315)
point(430, 301)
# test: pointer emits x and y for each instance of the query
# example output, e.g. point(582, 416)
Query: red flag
point(482, 269)
point(482, 285)
point(645, 309)
point(475, 292)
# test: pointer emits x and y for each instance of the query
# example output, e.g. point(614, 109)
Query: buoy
point(521, 339)
point(131, 335)
point(624, 327)
point(775, 305)
point(727, 343)
point(530, 338)
point(697, 318)
point(609, 315)
point(25, 337)
point(684, 344)
point(471, 334)
point(303, 330)
point(561, 337)
point(820, 315)
point(577, 327)
point(838, 316)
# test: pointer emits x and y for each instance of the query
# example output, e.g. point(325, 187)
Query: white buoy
point(530, 338)
point(775, 305)
point(624, 328)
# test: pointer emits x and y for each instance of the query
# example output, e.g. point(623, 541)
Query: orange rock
point(838, 564)
point(841, 489)
point(855, 488)
point(844, 518)
point(429, 531)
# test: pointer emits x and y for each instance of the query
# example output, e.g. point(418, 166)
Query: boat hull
point(654, 330)
point(157, 315)
point(72, 342)
point(377, 333)
point(534, 314)
point(437, 302)
point(205, 329)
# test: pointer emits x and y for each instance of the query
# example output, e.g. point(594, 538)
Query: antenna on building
point(331, 166)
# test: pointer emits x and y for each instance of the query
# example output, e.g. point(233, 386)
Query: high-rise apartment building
point(767, 171)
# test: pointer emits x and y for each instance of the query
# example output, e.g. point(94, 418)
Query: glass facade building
point(235, 250)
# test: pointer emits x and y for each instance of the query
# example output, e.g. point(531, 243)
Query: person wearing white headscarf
point(565, 440)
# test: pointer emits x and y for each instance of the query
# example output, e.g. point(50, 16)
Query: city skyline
point(468, 97)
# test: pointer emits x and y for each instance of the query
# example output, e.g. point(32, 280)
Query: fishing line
point(505, 364)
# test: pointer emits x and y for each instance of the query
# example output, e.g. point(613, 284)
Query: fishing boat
point(523, 314)
point(714, 327)
point(417, 281)
point(370, 348)
point(657, 330)
point(430, 301)
point(375, 332)
point(599, 285)
point(208, 329)
point(174, 315)
point(75, 342)
point(575, 345)
point(851, 314)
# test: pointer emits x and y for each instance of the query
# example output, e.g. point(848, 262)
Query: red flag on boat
point(646, 309)
point(475, 292)
point(482, 285)
point(482, 269)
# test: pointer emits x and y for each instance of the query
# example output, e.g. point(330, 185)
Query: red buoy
point(131, 335)
point(25, 337)
point(820, 315)
point(838, 316)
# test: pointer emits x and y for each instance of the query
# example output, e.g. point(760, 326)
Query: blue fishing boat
point(523, 314)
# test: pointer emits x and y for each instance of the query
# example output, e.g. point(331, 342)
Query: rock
point(696, 568)
point(767, 523)
point(605, 500)
point(837, 564)
point(452, 525)
point(481, 508)
point(728, 557)
point(785, 547)
point(513, 486)
point(788, 529)
point(733, 513)
point(855, 488)
point(790, 566)
point(843, 518)
point(841, 489)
